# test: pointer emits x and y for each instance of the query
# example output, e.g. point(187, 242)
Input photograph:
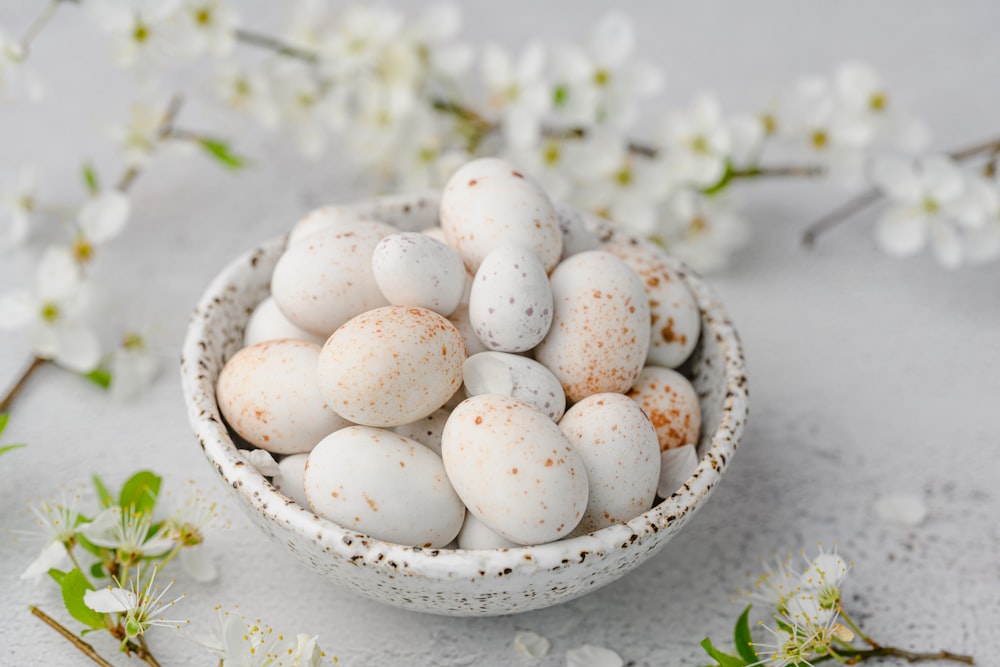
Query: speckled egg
point(516, 376)
point(327, 279)
point(621, 454)
point(268, 323)
point(413, 269)
point(269, 394)
point(674, 314)
point(379, 483)
point(513, 469)
point(599, 336)
point(391, 366)
point(427, 431)
point(477, 535)
point(671, 403)
point(510, 304)
point(490, 203)
point(323, 218)
point(290, 479)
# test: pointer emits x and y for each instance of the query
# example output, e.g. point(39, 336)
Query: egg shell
point(671, 403)
point(268, 323)
point(510, 304)
point(477, 535)
point(621, 453)
point(460, 320)
point(327, 279)
point(269, 394)
point(513, 469)
point(676, 467)
point(391, 366)
point(377, 482)
point(674, 314)
point(290, 479)
point(600, 331)
point(576, 234)
point(490, 203)
point(413, 269)
point(516, 376)
point(323, 218)
point(427, 431)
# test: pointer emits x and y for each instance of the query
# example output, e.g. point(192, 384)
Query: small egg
point(326, 217)
point(269, 395)
point(327, 279)
point(676, 321)
point(290, 479)
point(477, 535)
point(413, 269)
point(427, 431)
point(516, 376)
point(391, 366)
point(671, 403)
point(510, 305)
point(267, 323)
point(621, 454)
point(513, 469)
point(490, 203)
point(576, 235)
point(460, 320)
point(599, 336)
point(379, 483)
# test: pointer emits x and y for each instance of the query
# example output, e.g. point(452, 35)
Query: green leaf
point(727, 176)
point(139, 492)
point(107, 500)
point(97, 570)
point(742, 638)
point(7, 448)
point(57, 575)
point(4, 418)
point(724, 659)
point(221, 151)
point(74, 585)
point(90, 178)
point(99, 376)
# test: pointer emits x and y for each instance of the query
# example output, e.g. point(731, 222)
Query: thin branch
point(83, 646)
point(273, 44)
point(839, 214)
point(38, 25)
point(29, 370)
point(781, 171)
point(993, 145)
point(911, 656)
point(165, 130)
point(142, 650)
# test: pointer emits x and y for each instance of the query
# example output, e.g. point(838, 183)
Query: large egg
point(621, 453)
point(268, 323)
point(490, 203)
point(391, 366)
point(510, 304)
point(517, 376)
point(379, 483)
point(327, 278)
point(477, 535)
point(513, 469)
point(412, 269)
point(674, 314)
point(671, 403)
point(599, 336)
point(269, 394)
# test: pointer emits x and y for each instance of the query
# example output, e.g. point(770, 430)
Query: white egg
point(477, 535)
point(489, 203)
point(513, 469)
point(577, 236)
point(460, 319)
point(427, 431)
point(327, 279)
point(269, 395)
point(323, 218)
point(413, 269)
point(671, 403)
point(516, 376)
point(268, 323)
point(674, 314)
point(599, 336)
point(621, 454)
point(510, 304)
point(379, 483)
point(391, 366)
point(290, 479)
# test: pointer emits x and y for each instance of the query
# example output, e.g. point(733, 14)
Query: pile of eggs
point(504, 379)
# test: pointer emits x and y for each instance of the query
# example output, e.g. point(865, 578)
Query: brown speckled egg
point(674, 314)
point(391, 366)
point(513, 469)
point(621, 453)
point(671, 403)
point(269, 395)
point(599, 336)
point(490, 203)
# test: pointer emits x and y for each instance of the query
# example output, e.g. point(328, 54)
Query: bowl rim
point(436, 563)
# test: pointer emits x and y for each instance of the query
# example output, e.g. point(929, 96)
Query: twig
point(974, 150)
point(142, 650)
point(83, 646)
point(38, 25)
point(838, 215)
point(276, 45)
point(909, 656)
point(166, 128)
point(29, 370)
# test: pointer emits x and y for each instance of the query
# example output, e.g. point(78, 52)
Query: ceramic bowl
point(444, 581)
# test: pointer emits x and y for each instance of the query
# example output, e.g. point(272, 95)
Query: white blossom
point(704, 231)
point(55, 313)
point(141, 136)
point(186, 526)
point(18, 202)
point(237, 642)
point(207, 27)
point(249, 90)
point(531, 644)
point(698, 142)
point(862, 95)
point(133, 367)
point(57, 528)
point(101, 218)
point(302, 106)
point(127, 532)
point(518, 91)
point(142, 31)
point(549, 163)
point(359, 37)
point(575, 96)
point(434, 32)
point(982, 244)
point(15, 74)
point(141, 606)
point(423, 157)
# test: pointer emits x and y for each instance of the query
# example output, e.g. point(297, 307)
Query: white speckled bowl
point(442, 581)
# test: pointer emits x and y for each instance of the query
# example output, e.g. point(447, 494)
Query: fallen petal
point(904, 509)
point(589, 655)
point(531, 644)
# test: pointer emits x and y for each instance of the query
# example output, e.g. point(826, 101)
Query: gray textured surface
point(868, 375)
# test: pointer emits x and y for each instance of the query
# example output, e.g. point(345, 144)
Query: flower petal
point(947, 244)
point(262, 460)
point(58, 275)
point(104, 217)
point(77, 348)
point(942, 179)
point(900, 233)
point(589, 655)
point(16, 310)
point(198, 563)
point(613, 40)
point(905, 509)
point(109, 600)
point(531, 644)
point(52, 555)
point(100, 531)
point(897, 178)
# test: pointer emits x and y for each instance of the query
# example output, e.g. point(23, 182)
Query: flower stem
point(83, 646)
point(854, 626)
point(142, 650)
point(166, 128)
point(38, 25)
point(9, 397)
point(909, 656)
point(276, 45)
